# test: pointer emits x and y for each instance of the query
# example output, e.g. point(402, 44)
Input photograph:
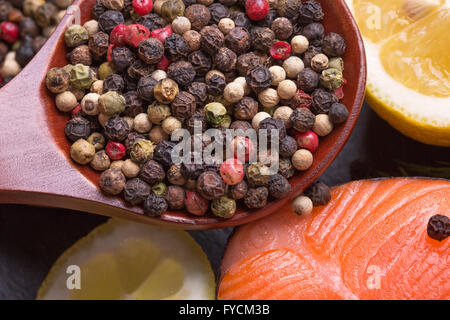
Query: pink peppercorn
point(257, 9)
point(232, 171)
point(115, 150)
point(136, 33)
point(195, 204)
point(9, 31)
point(142, 7)
point(118, 35)
point(307, 140)
point(109, 53)
point(242, 145)
point(280, 50)
point(339, 92)
point(162, 33)
point(301, 100)
point(76, 111)
point(163, 64)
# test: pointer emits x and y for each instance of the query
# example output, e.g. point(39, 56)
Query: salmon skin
point(369, 242)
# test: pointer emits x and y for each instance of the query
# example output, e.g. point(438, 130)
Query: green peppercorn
point(258, 174)
point(111, 103)
point(215, 113)
point(76, 35)
point(44, 14)
point(157, 112)
point(172, 9)
point(57, 80)
point(159, 188)
point(142, 150)
point(97, 140)
point(336, 63)
point(223, 207)
point(81, 77)
point(331, 79)
point(106, 69)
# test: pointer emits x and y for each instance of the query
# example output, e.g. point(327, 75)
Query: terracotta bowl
point(36, 169)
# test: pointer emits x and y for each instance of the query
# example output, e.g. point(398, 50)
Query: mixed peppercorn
point(25, 25)
point(140, 70)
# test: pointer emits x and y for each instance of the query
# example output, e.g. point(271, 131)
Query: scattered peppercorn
point(438, 227)
point(319, 193)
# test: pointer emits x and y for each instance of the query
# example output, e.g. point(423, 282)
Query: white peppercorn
point(66, 101)
point(319, 62)
point(322, 125)
point(159, 75)
point(91, 27)
point(130, 122)
point(141, 123)
point(89, 104)
point(244, 84)
point(180, 25)
point(226, 25)
point(283, 113)
point(82, 152)
point(112, 181)
point(233, 92)
point(97, 87)
point(10, 68)
point(157, 135)
point(278, 74)
point(101, 161)
point(293, 65)
point(269, 98)
point(287, 89)
point(299, 44)
point(302, 159)
point(130, 169)
point(117, 164)
point(102, 118)
point(260, 116)
point(170, 124)
point(302, 205)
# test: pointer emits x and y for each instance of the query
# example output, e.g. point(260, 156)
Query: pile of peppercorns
point(25, 25)
point(141, 70)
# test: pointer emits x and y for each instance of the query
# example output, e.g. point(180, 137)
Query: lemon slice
point(408, 81)
point(125, 260)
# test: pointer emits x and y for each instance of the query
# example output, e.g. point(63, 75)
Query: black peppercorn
point(268, 19)
point(155, 205)
point(245, 109)
point(98, 44)
point(133, 104)
point(182, 72)
point(243, 126)
point(5, 9)
point(216, 84)
point(247, 61)
point(279, 186)
point(176, 47)
point(262, 39)
point(210, 185)
point(238, 40)
point(150, 50)
point(191, 170)
point(319, 193)
point(145, 88)
point(3, 51)
point(310, 11)
point(314, 32)
point(287, 147)
point(152, 172)
point(302, 119)
point(239, 190)
point(225, 59)
point(25, 51)
point(197, 122)
point(201, 62)
point(212, 39)
point(113, 82)
point(286, 168)
point(174, 196)
point(139, 69)
point(184, 105)
point(200, 91)
point(116, 129)
point(288, 9)
point(259, 78)
point(338, 113)
point(98, 9)
point(310, 53)
point(218, 11)
point(163, 153)
point(28, 27)
point(198, 15)
point(282, 27)
point(38, 43)
point(131, 139)
point(322, 100)
point(308, 80)
point(333, 45)
point(109, 20)
point(438, 227)
point(122, 57)
point(152, 21)
point(241, 20)
point(44, 14)
point(256, 198)
point(273, 126)
point(77, 128)
point(136, 191)
point(80, 54)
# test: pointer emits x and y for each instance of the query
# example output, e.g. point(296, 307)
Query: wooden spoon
point(36, 169)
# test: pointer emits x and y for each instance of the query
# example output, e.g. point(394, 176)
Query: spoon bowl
point(36, 168)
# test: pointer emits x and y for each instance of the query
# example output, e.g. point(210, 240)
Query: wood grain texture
point(36, 169)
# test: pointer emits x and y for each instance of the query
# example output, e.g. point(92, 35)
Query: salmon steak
point(369, 242)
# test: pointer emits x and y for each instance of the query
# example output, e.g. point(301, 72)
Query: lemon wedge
point(408, 64)
point(125, 260)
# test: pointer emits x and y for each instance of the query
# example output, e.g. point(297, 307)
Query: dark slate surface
point(31, 238)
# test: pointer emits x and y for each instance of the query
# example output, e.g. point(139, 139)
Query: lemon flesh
point(125, 260)
point(408, 64)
